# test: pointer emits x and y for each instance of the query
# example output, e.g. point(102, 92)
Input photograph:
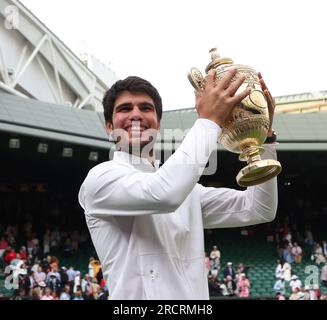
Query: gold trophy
point(246, 129)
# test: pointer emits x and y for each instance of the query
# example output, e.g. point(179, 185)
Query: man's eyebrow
point(129, 104)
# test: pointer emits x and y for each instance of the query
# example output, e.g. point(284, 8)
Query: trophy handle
point(258, 98)
point(196, 78)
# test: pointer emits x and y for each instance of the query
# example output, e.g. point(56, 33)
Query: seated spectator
point(324, 248)
point(297, 294)
point(287, 271)
point(279, 271)
point(78, 294)
point(215, 257)
point(323, 276)
point(243, 286)
point(9, 255)
point(229, 271)
point(47, 295)
point(3, 246)
point(318, 255)
point(207, 262)
point(280, 296)
point(65, 295)
point(230, 285)
point(297, 252)
point(295, 282)
point(279, 286)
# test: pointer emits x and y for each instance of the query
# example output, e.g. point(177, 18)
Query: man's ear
point(109, 127)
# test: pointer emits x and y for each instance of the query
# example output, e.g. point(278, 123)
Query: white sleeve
point(225, 208)
point(120, 189)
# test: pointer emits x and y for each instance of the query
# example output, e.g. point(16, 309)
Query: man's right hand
point(216, 102)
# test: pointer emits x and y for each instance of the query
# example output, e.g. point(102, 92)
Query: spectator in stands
point(230, 285)
point(242, 268)
point(318, 256)
point(39, 275)
point(215, 257)
point(279, 286)
point(214, 286)
point(287, 253)
point(23, 253)
point(243, 286)
point(54, 264)
point(323, 276)
point(53, 282)
point(19, 295)
point(324, 248)
point(312, 292)
point(9, 255)
point(207, 262)
point(295, 282)
point(297, 294)
point(65, 295)
point(279, 271)
point(87, 287)
point(47, 295)
point(3, 246)
point(297, 252)
point(287, 271)
point(132, 196)
point(95, 288)
point(77, 281)
point(71, 273)
point(78, 294)
point(36, 293)
point(280, 296)
point(229, 271)
point(64, 276)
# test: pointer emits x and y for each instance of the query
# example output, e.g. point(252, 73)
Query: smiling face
point(134, 121)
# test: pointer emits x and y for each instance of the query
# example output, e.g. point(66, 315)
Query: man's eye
point(147, 108)
point(123, 109)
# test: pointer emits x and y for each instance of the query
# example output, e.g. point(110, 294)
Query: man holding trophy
point(146, 221)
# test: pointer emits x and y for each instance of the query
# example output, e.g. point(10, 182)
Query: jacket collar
point(139, 163)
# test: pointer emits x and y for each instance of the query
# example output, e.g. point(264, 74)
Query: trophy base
point(258, 172)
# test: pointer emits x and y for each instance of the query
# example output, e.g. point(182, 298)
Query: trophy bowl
point(245, 131)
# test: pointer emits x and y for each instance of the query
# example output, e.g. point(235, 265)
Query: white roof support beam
point(3, 68)
point(85, 101)
point(21, 58)
point(55, 68)
point(67, 60)
point(53, 90)
point(11, 90)
point(27, 63)
point(76, 102)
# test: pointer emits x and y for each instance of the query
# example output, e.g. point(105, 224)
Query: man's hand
point(270, 101)
point(217, 101)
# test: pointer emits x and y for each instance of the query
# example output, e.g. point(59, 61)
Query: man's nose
point(135, 114)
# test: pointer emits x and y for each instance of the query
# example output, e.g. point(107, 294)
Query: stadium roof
point(301, 131)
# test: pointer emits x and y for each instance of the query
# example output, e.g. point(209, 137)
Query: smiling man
point(147, 222)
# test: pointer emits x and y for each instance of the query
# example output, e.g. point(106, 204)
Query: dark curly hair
point(131, 84)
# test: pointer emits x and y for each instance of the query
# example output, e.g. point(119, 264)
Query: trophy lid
point(217, 60)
